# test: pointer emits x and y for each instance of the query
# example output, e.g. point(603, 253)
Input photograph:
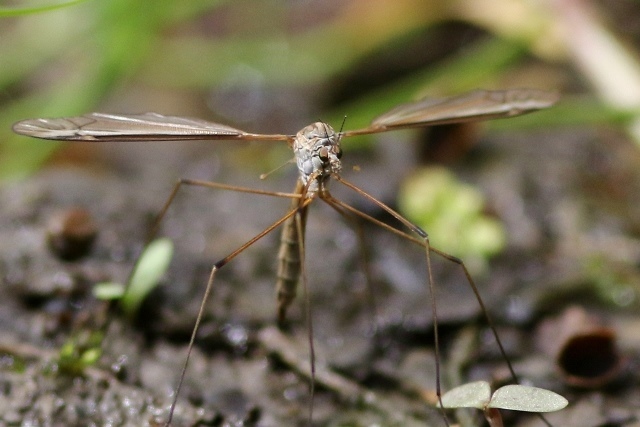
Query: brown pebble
point(71, 233)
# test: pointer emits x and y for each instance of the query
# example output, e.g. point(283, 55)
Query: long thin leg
point(217, 266)
point(445, 255)
point(426, 243)
point(199, 183)
point(442, 254)
point(431, 286)
point(209, 184)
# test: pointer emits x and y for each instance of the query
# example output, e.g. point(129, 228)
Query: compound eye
point(324, 154)
point(339, 153)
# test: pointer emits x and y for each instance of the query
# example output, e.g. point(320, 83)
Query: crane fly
point(317, 152)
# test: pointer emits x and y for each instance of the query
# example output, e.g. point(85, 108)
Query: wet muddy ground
point(568, 199)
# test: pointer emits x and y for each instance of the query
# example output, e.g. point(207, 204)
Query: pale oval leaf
point(471, 395)
point(528, 399)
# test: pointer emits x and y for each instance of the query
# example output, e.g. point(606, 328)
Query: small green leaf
point(79, 352)
point(150, 268)
point(528, 399)
point(108, 291)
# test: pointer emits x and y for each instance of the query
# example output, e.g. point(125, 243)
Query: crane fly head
point(317, 151)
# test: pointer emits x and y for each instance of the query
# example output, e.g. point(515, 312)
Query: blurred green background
point(92, 55)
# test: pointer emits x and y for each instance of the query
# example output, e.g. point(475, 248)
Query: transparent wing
point(138, 127)
point(477, 105)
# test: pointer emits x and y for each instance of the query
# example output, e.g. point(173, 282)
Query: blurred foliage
point(81, 54)
point(77, 56)
point(453, 213)
point(28, 8)
point(615, 282)
point(79, 352)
